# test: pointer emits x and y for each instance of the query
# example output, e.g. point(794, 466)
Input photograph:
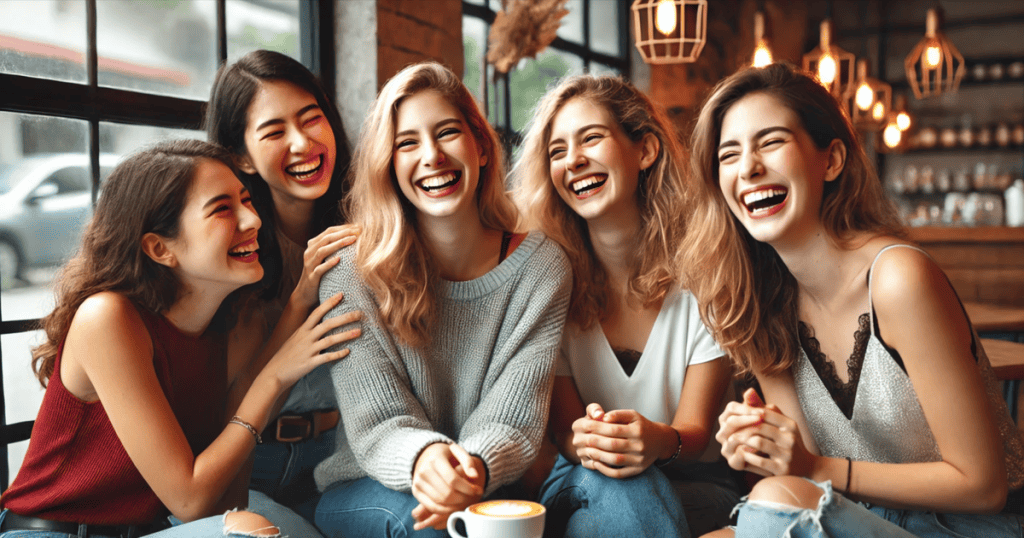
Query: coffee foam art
point(504, 508)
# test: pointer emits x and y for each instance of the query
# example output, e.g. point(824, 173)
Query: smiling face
point(216, 247)
point(289, 143)
point(770, 171)
point(436, 158)
point(594, 165)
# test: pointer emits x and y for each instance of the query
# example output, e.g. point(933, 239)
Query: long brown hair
point(748, 297)
point(391, 256)
point(659, 195)
point(145, 193)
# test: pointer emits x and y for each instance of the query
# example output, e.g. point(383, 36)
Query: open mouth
point(247, 251)
point(438, 184)
point(307, 170)
point(764, 202)
point(588, 185)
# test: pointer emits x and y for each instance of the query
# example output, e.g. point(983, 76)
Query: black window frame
point(94, 103)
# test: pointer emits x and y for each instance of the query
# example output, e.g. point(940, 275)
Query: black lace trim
point(628, 359)
point(843, 394)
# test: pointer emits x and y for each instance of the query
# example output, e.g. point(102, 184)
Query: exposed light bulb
point(903, 121)
point(762, 55)
point(892, 136)
point(878, 111)
point(827, 69)
point(665, 16)
point(933, 56)
point(865, 96)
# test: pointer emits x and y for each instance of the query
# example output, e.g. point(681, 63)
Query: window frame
point(94, 103)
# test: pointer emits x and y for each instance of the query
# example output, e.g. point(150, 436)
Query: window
point(592, 38)
point(85, 83)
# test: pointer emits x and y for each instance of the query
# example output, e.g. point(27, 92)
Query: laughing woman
point(877, 385)
point(448, 397)
point(601, 173)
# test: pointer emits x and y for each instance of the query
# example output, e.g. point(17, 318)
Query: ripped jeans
point(839, 517)
point(290, 524)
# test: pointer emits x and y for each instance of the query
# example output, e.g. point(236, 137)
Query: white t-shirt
point(677, 340)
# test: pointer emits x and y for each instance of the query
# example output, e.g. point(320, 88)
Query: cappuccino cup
point(500, 519)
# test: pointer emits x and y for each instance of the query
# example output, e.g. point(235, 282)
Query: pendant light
point(869, 99)
point(935, 66)
point(832, 65)
point(670, 31)
point(762, 52)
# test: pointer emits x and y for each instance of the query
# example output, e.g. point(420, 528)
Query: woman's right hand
point(736, 417)
point(317, 260)
point(303, 351)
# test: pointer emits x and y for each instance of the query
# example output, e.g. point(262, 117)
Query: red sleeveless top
point(76, 468)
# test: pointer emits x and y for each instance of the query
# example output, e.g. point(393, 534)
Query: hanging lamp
point(900, 115)
point(935, 66)
point(670, 31)
point(832, 65)
point(869, 99)
point(762, 52)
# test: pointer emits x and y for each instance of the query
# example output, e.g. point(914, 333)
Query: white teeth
point(305, 168)
point(582, 184)
point(437, 181)
point(247, 249)
point(757, 196)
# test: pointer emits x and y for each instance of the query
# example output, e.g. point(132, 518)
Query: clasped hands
point(620, 443)
point(758, 438)
point(445, 479)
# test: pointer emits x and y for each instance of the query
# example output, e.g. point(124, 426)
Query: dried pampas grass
point(524, 28)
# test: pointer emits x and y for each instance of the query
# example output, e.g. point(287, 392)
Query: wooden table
point(995, 319)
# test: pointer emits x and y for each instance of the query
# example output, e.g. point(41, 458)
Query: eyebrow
point(221, 197)
point(757, 135)
point(277, 121)
point(580, 130)
point(441, 123)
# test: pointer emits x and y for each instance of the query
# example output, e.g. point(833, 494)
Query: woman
point(134, 367)
point(448, 398)
point(799, 263)
point(601, 173)
point(274, 115)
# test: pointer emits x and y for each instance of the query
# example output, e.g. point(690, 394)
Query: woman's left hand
point(772, 447)
point(619, 443)
point(317, 260)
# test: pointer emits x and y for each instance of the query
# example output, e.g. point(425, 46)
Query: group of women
point(236, 334)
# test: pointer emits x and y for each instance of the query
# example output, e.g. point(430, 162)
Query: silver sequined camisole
point(888, 424)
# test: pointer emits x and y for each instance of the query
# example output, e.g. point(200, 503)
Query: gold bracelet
point(238, 420)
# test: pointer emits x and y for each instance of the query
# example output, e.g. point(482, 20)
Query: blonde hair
point(391, 258)
point(747, 295)
point(660, 196)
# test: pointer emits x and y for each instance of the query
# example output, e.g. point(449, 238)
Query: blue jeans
point(839, 517)
point(365, 508)
point(284, 471)
point(583, 503)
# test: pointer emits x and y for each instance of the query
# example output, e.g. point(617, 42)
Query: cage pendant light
point(832, 64)
point(935, 66)
point(670, 31)
point(762, 52)
point(868, 99)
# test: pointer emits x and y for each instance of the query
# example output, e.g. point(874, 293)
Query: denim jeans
point(839, 517)
point(364, 508)
point(584, 503)
point(284, 472)
point(290, 524)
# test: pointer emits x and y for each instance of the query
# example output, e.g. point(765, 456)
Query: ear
point(649, 148)
point(244, 163)
point(156, 248)
point(483, 155)
point(836, 159)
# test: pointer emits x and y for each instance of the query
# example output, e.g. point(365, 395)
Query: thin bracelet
point(849, 474)
point(238, 420)
point(679, 448)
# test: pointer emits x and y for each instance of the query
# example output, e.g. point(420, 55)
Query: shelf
point(981, 234)
point(961, 149)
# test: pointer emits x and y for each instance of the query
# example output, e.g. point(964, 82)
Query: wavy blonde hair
point(391, 257)
point(747, 295)
point(660, 196)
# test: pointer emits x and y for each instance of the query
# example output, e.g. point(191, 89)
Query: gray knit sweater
point(484, 381)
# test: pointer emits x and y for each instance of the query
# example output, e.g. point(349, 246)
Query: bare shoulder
point(905, 277)
point(110, 318)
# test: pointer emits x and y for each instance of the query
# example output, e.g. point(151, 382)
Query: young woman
point(448, 398)
point(877, 384)
point(273, 114)
point(601, 174)
point(134, 366)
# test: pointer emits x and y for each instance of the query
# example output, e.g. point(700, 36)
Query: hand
point(301, 353)
point(735, 418)
point(759, 438)
point(618, 444)
point(317, 260)
point(445, 479)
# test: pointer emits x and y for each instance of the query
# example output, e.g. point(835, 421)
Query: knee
point(242, 523)
point(788, 490)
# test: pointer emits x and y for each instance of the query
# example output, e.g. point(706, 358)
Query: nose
point(432, 154)
point(248, 219)
point(298, 141)
point(750, 165)
point(574, 158)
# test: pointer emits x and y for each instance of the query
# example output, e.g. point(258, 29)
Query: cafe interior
point(935, 88)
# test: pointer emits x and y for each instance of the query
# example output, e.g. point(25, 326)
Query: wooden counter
point(985, 265)
point(994, 318)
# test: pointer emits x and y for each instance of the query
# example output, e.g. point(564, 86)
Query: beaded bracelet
point(679, 449)
point(238, 420)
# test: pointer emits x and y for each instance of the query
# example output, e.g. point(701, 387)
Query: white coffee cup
point(500, 519)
